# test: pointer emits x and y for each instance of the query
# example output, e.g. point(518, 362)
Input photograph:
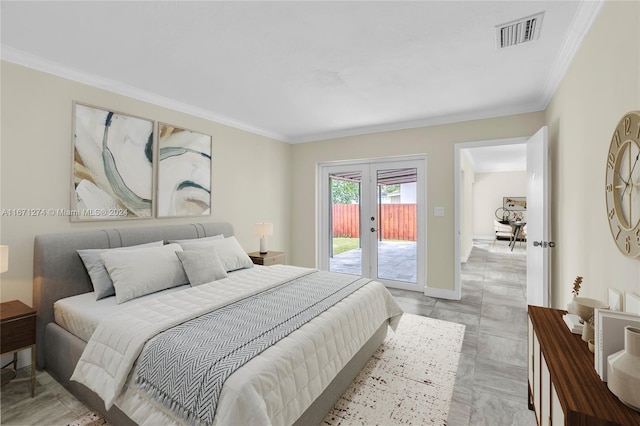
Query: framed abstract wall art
point(184, 172)
point(514, 203)
point(112, 165)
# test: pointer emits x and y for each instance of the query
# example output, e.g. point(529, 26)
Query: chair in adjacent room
point(502, 230)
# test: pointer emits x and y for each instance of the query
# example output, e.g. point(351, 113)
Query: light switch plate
point(438, 211)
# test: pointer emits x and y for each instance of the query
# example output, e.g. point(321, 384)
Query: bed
point(295, 381)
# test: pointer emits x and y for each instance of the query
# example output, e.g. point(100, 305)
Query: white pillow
point(194, 243)
point(144, 271)
point(102, 285)
point(231, 254)
point(202, 266)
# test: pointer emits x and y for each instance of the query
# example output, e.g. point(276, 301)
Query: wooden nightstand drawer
point(18, 333)
point(268, 259)
point(17, 326)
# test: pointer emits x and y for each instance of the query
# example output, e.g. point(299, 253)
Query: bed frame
point(59, 272)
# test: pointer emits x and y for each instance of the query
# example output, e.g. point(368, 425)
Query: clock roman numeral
point(616, 138)
point(627, 125)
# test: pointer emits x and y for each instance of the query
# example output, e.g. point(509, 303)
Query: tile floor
point(491, 382)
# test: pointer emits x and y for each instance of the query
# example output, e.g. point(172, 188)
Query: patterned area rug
point(409, 380)
point(91, 419)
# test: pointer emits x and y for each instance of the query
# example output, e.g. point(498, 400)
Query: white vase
point(623, 370)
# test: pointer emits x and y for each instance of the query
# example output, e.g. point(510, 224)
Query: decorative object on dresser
point(632, 303)
point(574, 323)
point(622, 177)
point(18, 332)
point(263, 230)
point(623, 370)
point(615, 299)
point(609, 337)
point(564, 388)
point(268, 259)
point(584, 307)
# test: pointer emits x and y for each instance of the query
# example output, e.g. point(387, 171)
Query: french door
point(372, 221)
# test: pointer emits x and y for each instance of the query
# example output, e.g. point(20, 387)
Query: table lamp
point(263, 230)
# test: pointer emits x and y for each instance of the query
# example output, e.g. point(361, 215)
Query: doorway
point(372, 220)
point(537, 211)
point(474, 161)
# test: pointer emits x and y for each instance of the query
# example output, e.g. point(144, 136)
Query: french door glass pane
point(345, 247)
point(397, 224)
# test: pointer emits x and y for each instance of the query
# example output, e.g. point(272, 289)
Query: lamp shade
point(4, 258)
point(263, 229)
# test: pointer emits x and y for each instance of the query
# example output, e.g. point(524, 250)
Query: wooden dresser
point(564, 388)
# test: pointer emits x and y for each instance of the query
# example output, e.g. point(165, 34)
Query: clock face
point(623, 184)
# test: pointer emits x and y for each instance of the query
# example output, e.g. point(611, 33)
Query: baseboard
point(442, 293)
point(465, 256)
point(484, 237)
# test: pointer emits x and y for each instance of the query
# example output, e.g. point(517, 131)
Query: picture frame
point(183, 172)
point(112, 165)
point(514, 203)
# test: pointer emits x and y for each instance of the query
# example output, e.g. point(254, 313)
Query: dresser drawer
point(17, 333)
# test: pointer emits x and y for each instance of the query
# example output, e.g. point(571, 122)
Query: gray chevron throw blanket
point(185, 367)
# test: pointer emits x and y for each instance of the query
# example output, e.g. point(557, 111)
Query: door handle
point(544, 244)
point(373, 229)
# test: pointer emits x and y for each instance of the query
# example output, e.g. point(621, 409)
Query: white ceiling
point(498, 158)
point(302, 71)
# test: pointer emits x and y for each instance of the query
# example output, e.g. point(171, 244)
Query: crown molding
point(20, 57)
point(586, 14)
point(413, 124)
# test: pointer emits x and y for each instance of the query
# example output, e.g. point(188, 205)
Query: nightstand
point(268, 259)
point(18, 332)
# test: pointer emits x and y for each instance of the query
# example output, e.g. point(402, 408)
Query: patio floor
point(396, 261)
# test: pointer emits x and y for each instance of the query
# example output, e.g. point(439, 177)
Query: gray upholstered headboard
point(58, 271)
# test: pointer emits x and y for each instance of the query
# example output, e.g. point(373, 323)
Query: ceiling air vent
point(519, 31)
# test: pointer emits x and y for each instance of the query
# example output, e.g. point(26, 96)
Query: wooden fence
point(398, 221)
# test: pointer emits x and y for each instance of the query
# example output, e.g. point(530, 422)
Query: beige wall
point(601, 85)
point(488, 191)
point(437, 142)
point(250, 173)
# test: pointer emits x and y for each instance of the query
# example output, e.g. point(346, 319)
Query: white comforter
point(275, 387)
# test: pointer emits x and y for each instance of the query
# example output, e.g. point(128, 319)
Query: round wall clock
point(623, 184)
